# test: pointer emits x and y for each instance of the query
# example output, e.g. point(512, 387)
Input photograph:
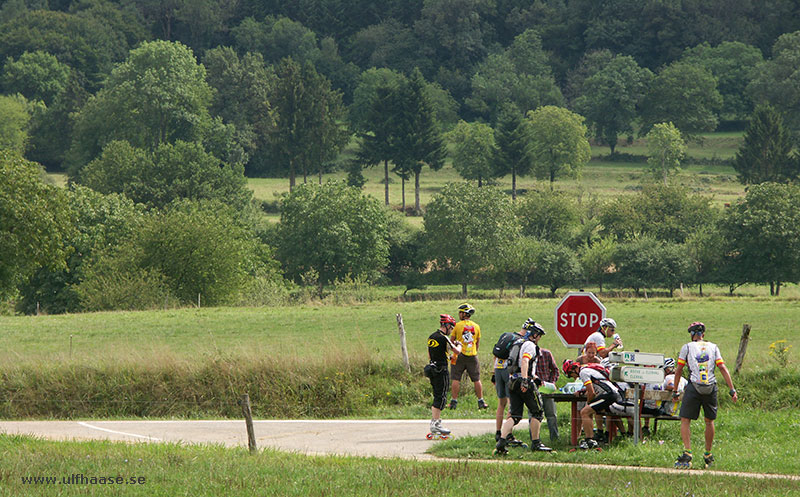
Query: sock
point(536, 442)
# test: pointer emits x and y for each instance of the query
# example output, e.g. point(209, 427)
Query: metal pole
point(636, 429)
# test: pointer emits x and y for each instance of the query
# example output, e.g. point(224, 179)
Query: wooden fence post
point(248, 419)
point(403, 348)
point(742, 347)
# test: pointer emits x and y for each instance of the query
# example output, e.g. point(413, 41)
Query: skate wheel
point(429, 436)
point(444, 437)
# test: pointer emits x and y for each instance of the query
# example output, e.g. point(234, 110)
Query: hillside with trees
point(158, 112)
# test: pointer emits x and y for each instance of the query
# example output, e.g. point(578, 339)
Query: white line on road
point(87, 425)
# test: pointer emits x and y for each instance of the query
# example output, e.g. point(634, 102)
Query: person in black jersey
point(439, 344)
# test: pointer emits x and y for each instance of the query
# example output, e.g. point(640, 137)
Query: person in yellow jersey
point(468, 333)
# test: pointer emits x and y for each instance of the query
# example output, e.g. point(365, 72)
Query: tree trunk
point(291, 178)
point(463, 289)
point(522, 290)
point(772, 288)
point(386, 179)
point(480, 182)
point(403, 193)
point(701, 289)
point(416, 193)
point(552, 179)
point(513, 184)
point(777, 288)
point(320, 175)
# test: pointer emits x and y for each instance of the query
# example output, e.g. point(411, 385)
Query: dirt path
point(379, 438)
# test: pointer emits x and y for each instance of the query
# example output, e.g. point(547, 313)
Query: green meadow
point(170, 470)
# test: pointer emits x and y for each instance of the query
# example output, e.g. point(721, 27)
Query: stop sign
point(578, 315)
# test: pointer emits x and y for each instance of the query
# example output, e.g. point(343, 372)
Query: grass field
point(370, 330)
point(170, 470)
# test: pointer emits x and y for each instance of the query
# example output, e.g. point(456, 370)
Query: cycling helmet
point(446, 319)
point(466, 308)
point(608, 322)
point(532, 328)
point(568, 364)
point(669, 362)
point(697, 328)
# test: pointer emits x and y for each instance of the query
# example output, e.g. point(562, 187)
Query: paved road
point(398, 438)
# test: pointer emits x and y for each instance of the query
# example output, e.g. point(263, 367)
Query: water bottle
point(617, 337)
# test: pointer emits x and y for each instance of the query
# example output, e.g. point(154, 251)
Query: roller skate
point(513, 442)
point(708, 460)
point(587, 444)
point(684, 460)
point(501, 448)
point(482, 404)
point(453, 403)
point(538, 446)
point(438, 432)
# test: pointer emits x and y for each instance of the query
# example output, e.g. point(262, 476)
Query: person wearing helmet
point(523, 390)
point(547, 370)
point(607, 329)
point(468, 333)
point(439, 344)
point(601, 393)
point(701, 357)
point(500, 375)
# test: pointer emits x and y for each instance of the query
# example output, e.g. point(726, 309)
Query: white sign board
point(637, 358)
point(636, 374)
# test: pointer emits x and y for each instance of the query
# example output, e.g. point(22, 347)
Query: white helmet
point(608, 322)
point(669, 362)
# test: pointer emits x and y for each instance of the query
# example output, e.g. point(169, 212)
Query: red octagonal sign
point(578, 315)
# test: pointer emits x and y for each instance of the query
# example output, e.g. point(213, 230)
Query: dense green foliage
point(34, 222)
point(330, 232)
point(160, 102)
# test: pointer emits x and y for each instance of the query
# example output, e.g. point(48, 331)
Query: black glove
point(537, 381)
point(493, 380)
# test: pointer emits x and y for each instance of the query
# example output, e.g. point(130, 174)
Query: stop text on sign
point(579, 319)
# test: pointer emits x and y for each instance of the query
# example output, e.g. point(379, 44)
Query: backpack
point(599, 367)
point(502, 349)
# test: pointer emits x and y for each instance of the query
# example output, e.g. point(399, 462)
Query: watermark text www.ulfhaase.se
point(81, 479)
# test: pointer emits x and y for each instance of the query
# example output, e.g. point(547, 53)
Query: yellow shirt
point(469, 334)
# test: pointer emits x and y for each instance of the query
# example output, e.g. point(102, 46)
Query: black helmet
point(697, 328)
point(532, 328)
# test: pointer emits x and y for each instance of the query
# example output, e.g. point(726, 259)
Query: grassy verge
point(170, 470)
point(748, 440)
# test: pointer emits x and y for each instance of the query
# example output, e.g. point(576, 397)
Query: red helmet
point(446, 319)
point(567, 365)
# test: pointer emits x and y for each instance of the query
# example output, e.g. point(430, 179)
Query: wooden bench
point(657, 395)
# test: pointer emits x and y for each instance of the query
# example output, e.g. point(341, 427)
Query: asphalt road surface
point(382, 438)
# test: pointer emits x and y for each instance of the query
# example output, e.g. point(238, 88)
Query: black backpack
point(505, 343)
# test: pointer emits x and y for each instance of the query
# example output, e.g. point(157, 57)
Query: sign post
point(577, 316)
point(645, 368)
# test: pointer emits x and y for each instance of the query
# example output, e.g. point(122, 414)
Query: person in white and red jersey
point(702, 358)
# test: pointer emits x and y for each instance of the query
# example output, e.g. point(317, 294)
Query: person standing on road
point(468, 333)
point(701, 357)
point(547, 371)
point(439, 344)
point(523, 390)
point(607, 329)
